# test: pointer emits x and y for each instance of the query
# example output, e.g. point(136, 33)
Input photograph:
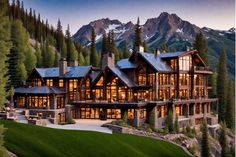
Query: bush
point(169, 122)
point(152, 118)
point(176, 125)
point(146, 127)
point(70, 120)
point(125, 117)
point(193, 149)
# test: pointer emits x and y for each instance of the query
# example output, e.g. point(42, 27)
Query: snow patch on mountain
point(221, 34)
point(111, 27)
point(179, 30)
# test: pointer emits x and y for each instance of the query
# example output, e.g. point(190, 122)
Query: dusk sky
point(217, 14)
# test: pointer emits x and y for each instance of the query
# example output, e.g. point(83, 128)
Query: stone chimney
point(62, 66)
point(108, 59)
point(73, 63)
point(157, 53)
point(139, 48)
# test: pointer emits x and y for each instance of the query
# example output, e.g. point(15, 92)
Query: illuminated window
point(72, 89)
point(162, 111)
point(185, 63)
point(61, 83)
point(60, 102)
point(143, 113)
point(39, 101)
point(36, 82)
point(184, 79)
point(100, 82)
point(178, 110)
point(21, 101)
point(49, 82)
point(130, 113)
point(173, 64)
point(142, 79)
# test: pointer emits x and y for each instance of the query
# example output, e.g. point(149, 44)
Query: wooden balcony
point(202, 70)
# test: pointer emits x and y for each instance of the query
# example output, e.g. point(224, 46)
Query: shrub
point(70, 120)
point(176, 125)
point(152, 118)
point(125, 116)
point(169, 122)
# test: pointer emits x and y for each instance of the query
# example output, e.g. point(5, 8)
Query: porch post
point(136, 117)
point(205, 110)
point(156, 86)
point(187, 106)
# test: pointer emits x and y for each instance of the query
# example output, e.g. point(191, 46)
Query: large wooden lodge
point(137, 86)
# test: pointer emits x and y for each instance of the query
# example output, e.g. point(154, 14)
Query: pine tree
point(200, 45)
point(229, 106)
point(138, 39)
point(212, 83)
point(223, 140)
point(30, 60)
point(81, 59)
point(56, 59)
point(205, 148)
point(126, 53)
point(38, 54)
point(5, 46)
point(93, 53)
point(59, 37)
point(222, 85)
point(64, 50)
point(104, 46)
point(16, 68)
point(50, 56)
point(112, 46)
point(169, 121)
point(176, 124)
point(164, 47)
point(72, 53)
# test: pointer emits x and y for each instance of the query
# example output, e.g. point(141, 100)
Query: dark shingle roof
point(39, 90)
point(122, 76)
point(126, 64)
point(171, 54)
point(156, 62)
point(72, 72)
point(95, 74)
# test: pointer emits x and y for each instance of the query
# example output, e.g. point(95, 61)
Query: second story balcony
point(203, 70)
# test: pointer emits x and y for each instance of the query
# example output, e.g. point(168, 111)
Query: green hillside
point(34, 141)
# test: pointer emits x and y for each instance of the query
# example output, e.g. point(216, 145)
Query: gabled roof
point(95, 74)
point(72, 72)
point(126, 64)
point(39, 90)
point(122, 76)
point(78, 71)
point(156, 62)
point(171, 54)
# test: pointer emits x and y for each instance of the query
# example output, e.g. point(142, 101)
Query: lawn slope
point(34, 141)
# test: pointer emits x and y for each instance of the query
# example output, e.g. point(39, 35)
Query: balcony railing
point(198, 68)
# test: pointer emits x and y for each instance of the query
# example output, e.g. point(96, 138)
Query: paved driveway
point(84, 124)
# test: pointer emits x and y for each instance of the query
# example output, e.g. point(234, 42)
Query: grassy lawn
point(35, 141)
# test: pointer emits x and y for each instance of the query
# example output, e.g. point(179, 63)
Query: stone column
point(187, 106)
point(68, 111)
point(156, 87)
point(205, 110)
point(173, 112)
point(136, 117)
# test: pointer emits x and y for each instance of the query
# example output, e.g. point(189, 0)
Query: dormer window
point(61, 83)
point(49, 82)
point(185, 63)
